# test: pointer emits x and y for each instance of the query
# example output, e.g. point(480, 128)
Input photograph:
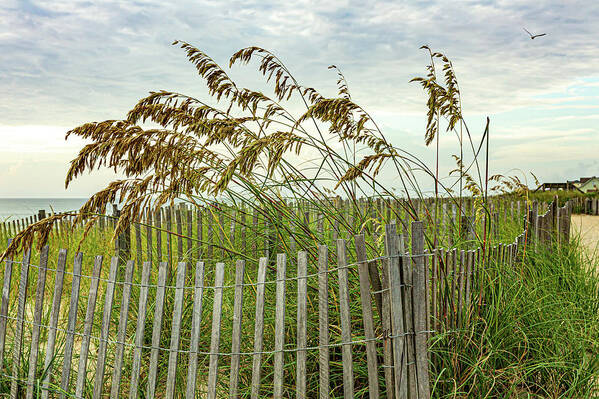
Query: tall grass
point(244, 150)
point(537, 335)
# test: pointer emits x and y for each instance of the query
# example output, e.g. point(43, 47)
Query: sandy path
point(588, 228)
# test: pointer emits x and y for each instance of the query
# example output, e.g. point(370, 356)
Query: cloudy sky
point(63, 63)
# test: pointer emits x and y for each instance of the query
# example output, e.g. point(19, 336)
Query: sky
point(64, 63)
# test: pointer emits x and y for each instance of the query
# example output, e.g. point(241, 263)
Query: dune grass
point(535, 334)
point(536, 337)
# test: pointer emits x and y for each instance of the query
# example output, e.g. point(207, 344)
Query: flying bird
point(533, 36)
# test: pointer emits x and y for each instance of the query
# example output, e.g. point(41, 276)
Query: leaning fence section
point(340, 320)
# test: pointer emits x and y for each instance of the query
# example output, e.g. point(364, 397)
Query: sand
point(588, 228)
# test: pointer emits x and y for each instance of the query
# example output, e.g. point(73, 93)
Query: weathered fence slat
point(345, 315)
point(435, 292)
point(175, 330)
point(243, 232)
point(87, 326)
point(4, 305)
point(236, 333)
point(420, 314)
point(108, 299)
point(121, 331)
point(279, 327)
point(210, 235)
point(371, 359)
point(56, 301)
point(302, 314)
point(18, 335)
point(179, 235)
point(192, 372)
point(255, 228)
point(158, 220)
point(221, 232)
point(138, 247)
point(139, 330)
point(469, 267)
point(232, 227)
point(406, 272)
point(149, 246)
point(216, 319)
point(71, 324)
point(258, 329)
point(200, 232)
point(397, 311)
point(461, 286)
point(189, 238)
point(169, 242)
point(157, 328)
point(323, 321)
point(386, 323)
point(37, 320)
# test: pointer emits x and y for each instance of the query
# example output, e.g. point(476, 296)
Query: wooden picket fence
point(188, 336)
point(591, 206)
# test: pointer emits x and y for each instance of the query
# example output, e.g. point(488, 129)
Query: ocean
point(17, 208)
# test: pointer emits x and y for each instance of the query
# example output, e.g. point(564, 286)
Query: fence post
point(278, 372)
point(397, 311)
point(18, 334)
point(302, 324)
point(139, 330)
point(371, 357)
point(216, 327)
point(37, 320)
point(122, 244)
point(71, 325)
point(345, 316)
point(236, 334)
point(323, 322)
point(258, 328)
point(56, 302)
point(568, 221)
point(554, 208)
point(534, 222)
point(420, 310)
point(108, 301)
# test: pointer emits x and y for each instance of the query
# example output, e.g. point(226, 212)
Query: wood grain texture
point(176, 330)
point(196, 321)
point(279, 327)
point(4, 306)
point(345, 316)
point(258, 329)
point(302, 325)
point(104, 332)
point(18, 334)
point(323, 321)
point(215, 338)
point(156, 329)
point(54, 315)
point(236, 330)
point(139, 330)
point(122, 331)
point(87, 326)
point(37, 320)
point(367, 317)
point(420, 314)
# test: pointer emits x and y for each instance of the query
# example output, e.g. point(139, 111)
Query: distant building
point(568, 186)
point(588, 184)
point(584, 185)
